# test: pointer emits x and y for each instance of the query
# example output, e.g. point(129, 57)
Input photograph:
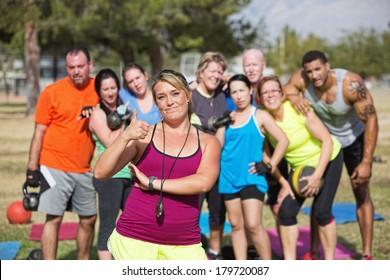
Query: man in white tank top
point(342, 101)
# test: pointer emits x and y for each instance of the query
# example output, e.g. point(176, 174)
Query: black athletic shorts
point(246, 193)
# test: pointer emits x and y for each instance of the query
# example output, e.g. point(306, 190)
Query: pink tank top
point(179, 224)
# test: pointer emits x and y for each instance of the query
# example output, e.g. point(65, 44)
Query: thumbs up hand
point(137, 129)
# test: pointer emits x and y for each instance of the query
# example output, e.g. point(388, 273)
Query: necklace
point(210, 100)
point(209, 97)
point(160, 204)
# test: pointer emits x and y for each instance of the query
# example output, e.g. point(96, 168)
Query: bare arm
point(125, 148)
point(36, 146)
point(200, 182)
point(294, 89)
point(285, 188)
point(220, 134)
point(361, 99)
point(319, 131)
point(98, 125)
point(268, 122)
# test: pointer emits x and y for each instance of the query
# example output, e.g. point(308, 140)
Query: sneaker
point(367, 258)
point(213, 256)
point(312, 256)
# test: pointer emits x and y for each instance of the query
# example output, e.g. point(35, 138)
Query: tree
point(32, 64)
point(27, 12)
point(134, 27)
point(131, 28)
point(285, 58)
point(32, 53)
point(385, 49)
point(362, 51)
point(261, 40)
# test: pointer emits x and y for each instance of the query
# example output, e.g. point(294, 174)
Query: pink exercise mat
point(303, 245)
point(67, 231)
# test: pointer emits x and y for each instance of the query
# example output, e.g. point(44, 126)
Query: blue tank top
point(152, 117)
point(243, 145)
point(338, 117)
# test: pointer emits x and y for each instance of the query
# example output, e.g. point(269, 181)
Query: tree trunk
point(156, 59)
point(127, 56)
point(32, 55)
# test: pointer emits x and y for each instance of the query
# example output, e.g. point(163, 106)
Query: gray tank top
point(338, 117)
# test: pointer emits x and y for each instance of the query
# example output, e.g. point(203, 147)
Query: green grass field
point(15, 136)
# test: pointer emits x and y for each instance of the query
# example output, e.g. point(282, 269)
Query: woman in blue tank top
point(137, 94)
point(243, 193)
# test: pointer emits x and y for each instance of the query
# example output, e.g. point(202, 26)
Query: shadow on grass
point(350, 246)
point(8, 110)
point(72, 254)
point(227, 249)
point(13, 104)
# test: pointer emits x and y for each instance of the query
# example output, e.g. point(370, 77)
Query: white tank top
point(340, 118)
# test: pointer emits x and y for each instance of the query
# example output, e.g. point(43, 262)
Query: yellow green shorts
point(124, 248)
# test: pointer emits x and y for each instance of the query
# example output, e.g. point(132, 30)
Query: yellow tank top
point(304, 149)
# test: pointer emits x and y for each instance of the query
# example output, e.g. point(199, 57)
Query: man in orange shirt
point(60, 154)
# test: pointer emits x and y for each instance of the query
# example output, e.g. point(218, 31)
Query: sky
point(328, 19)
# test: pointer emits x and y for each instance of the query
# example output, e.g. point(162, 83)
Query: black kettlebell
point(30, 200)
point(117, 117)
point(114, 120)
point(35, 254)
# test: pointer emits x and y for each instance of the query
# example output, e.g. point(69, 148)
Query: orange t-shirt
point(68, 144)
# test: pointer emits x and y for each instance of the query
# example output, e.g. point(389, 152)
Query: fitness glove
point(33, 178)
point(262, 168)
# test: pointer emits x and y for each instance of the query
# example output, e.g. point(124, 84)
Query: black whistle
point(159, 208)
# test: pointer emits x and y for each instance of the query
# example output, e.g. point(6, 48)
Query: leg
point(322, 207)
point(239, 241)
point(328, 239)
point(272, 200)
point(353, 155)
point(289, 238)
point(104, 255)
point(273, 192)
point(216, 238)
point(253, 213)
point(314, 235)
point(84, 204)
point(365, 216)
point(110, 195)
point(85, 234)
point(49, 237)
point(52, 202)
point(217, 219)
point(289, 231)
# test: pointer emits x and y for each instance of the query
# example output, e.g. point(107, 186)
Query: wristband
point(150, 185)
